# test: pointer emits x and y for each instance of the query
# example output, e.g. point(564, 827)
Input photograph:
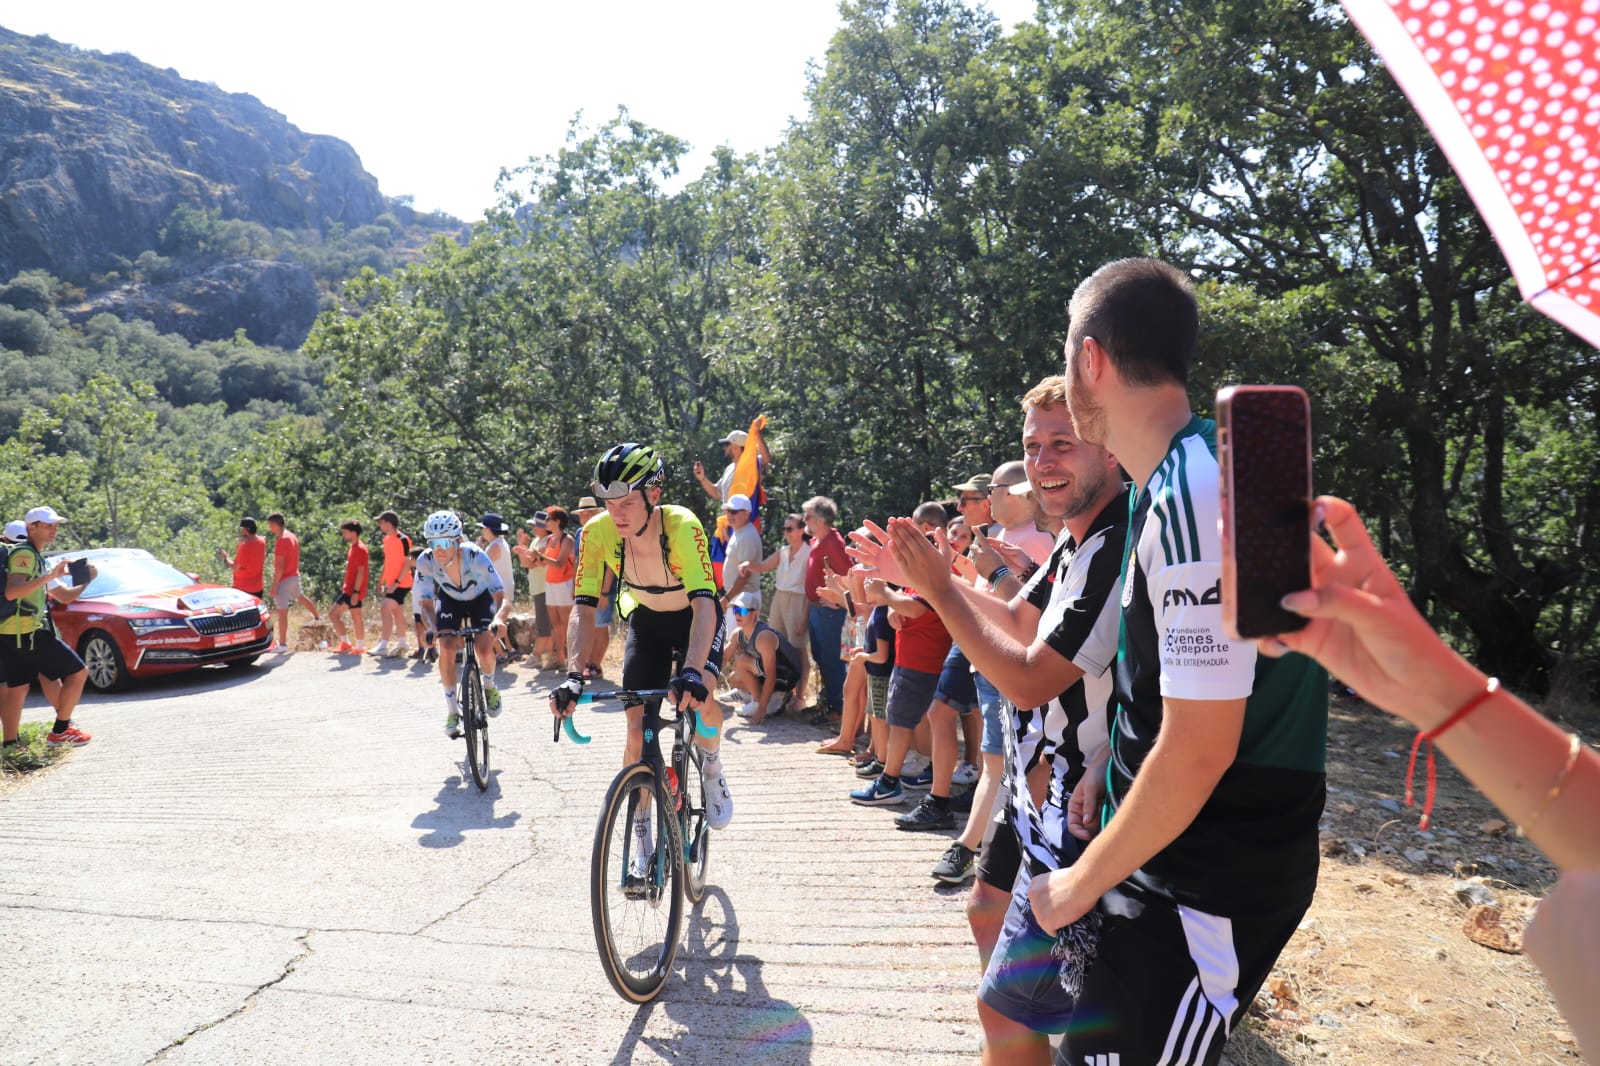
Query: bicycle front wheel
point(635, 885)
point(474, 720)
point(696, 833)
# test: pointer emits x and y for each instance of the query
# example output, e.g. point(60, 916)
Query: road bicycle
point(651, 848)
point(473, 709)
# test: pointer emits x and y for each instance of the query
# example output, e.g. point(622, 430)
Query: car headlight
point(150, 625)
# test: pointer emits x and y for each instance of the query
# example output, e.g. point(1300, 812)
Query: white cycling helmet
point(442, 525)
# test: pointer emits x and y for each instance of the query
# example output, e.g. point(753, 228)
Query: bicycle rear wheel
point(696, 833)
point(635, 885)
point(474, 720)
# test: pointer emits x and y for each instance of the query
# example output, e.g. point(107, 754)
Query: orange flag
point(747, 478)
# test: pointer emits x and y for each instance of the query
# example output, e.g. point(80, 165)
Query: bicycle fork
point(640, 813)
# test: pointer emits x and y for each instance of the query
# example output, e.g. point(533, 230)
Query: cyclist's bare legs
point(633, 746)
point(449, 644)
point(710, 713)
point(483, 645)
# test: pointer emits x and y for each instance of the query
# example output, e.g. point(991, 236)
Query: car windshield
point(134, 573)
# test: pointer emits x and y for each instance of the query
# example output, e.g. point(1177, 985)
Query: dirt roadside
point(1382, 969)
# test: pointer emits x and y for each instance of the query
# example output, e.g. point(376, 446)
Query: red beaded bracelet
point(1433, 734)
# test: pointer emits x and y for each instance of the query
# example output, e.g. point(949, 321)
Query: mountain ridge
point(99, 151)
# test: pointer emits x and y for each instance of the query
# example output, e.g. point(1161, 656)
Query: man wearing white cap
point(732, 447)
point(744, 546)
point(28, 647)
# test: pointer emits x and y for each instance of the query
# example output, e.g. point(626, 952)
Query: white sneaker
point(914, 764)
point(381, 650)
point(965, 774)
point(719, 801)
point(748, 709)
point(399, 651)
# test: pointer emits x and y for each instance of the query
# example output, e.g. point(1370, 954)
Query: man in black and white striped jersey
point(1047, 642)
point(1201, 828)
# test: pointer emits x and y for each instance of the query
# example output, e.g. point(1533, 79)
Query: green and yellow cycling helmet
point(625, 468)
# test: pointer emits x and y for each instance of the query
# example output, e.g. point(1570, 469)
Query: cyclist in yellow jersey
point(667, 595)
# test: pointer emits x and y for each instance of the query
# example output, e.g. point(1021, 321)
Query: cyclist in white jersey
point(458, 588)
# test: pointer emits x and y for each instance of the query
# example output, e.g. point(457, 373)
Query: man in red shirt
point(919, 654)
point(286, 589)
point(249, 561)
point(825, 621)
point(353, 593)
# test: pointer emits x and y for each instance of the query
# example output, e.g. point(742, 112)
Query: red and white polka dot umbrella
point(1511, 91)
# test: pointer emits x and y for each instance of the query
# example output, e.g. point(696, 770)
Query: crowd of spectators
point(1037, 661)
point(1142, 789)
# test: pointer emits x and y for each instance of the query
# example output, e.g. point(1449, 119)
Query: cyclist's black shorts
point(450, 615)
point(653, 636)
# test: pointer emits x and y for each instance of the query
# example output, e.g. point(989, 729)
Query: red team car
point(141, 617)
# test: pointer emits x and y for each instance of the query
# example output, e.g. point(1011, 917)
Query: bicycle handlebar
point(626, 695)
point(623, 695)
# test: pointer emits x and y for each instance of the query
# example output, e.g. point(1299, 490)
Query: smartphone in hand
point(79, 569)
point(1264, 451)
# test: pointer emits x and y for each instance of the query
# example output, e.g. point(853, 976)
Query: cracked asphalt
point(290, 865)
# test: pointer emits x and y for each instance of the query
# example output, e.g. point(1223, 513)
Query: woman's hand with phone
point(1365, 629)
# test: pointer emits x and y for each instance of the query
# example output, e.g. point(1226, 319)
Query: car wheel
point(107, 671)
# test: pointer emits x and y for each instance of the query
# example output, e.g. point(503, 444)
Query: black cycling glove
point(567, 693)
point(688, 683)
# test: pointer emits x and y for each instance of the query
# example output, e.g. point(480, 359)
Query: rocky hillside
point(98, 152)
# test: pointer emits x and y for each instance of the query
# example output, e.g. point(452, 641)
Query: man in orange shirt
point(286, 577)
point(353, 593)
point(249, 562)
point(395, 582)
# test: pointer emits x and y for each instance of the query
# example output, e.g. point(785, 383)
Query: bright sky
point(437, 98)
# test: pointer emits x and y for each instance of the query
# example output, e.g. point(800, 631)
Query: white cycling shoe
point(719, 802)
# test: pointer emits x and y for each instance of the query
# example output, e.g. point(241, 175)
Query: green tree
point(491, 374)
point(917, 261)
point(91, 452)
point(1264, 145)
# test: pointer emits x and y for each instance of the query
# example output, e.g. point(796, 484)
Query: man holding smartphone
point(29, 647)
point(249, 561)
point(1202, 854)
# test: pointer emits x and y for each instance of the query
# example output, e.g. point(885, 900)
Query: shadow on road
point(459, 806)
point(721, 999)
point(206, 678)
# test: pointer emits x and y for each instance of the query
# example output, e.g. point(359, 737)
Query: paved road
point(285, 865)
